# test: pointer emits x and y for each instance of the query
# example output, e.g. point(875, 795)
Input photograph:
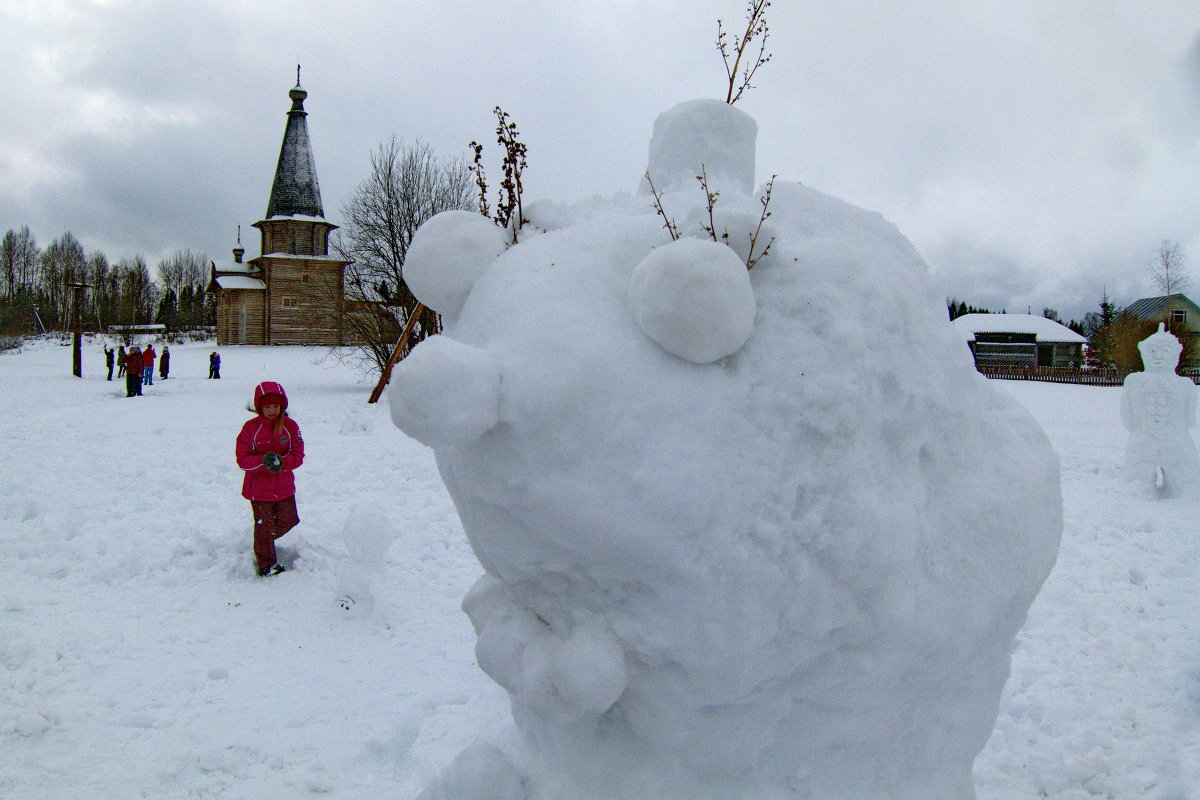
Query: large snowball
point(447, 255)
point(702, 135)
point(445, 392)
point(694, 298)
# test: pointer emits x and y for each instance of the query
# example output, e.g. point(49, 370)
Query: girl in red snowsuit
point(269, 448)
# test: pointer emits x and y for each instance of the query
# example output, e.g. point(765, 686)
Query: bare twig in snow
point(669, 224)
point(765, 200)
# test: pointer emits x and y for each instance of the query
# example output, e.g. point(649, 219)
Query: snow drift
point(761, 534)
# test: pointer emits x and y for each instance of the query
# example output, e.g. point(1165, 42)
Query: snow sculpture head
point(1158, 409)
point(1160, 350)
point(745, 534)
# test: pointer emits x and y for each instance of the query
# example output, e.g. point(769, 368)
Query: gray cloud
point(1033, 152)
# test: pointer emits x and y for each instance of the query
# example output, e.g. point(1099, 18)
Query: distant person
point(121, 361)
point(133, 373)
point(164, 362)
point(148, 365)
point(214, 365)
point(269, 447)
point(109, 358)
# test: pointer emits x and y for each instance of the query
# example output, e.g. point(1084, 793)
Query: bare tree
point(408, 184)
point(28, 254)
point(62, 262)
point(1167, 270)
point(181, 269)
point(8, 263)
point(19, 255)
point(137, 291)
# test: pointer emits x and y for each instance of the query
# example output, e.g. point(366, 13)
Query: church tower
point(293, 293)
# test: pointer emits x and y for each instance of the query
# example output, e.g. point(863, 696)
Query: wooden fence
point(1090, 377)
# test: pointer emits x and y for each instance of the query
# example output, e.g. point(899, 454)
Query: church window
point(288, 302)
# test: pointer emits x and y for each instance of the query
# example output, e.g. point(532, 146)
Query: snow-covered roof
point(1046, 330)
point(301, 217)
point(302, 256)
point(233, 266)
point(239, 282)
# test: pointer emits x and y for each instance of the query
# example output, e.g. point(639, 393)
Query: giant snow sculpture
point(758, 534)
point(1158, 408)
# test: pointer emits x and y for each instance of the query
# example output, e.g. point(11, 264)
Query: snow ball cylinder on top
point(790, 566)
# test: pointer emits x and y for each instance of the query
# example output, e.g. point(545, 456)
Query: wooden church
point(294, 292)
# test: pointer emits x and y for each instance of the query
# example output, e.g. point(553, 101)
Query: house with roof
point(1020, 340)
point(1177, 310)
point(294, 292)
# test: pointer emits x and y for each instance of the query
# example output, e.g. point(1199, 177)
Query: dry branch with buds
point(765, 200)
point(509, 210)
point(668, 223)
point(756, 26)
point(710, 199)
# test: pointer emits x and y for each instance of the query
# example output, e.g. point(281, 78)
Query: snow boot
point(273, 570)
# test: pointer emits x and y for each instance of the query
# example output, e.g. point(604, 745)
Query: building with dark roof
point(1179, 312)
point(1181, 316)
point(293, 293)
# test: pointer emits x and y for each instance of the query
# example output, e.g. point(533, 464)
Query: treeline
point(36, 293)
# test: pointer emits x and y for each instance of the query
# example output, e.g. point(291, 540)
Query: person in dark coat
point(121, 361)
point(109, 357)
point(164, 362)
point(214, 365)
point(133, 373)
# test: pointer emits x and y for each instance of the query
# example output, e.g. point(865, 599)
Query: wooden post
point(77, 349)
point(386, 375)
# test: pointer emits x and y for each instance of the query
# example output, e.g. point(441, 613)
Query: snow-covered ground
point(141, 657)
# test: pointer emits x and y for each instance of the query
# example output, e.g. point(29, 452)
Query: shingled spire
point(295, 191)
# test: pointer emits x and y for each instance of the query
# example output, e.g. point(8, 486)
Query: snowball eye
point(695, 299)
point(447, 255)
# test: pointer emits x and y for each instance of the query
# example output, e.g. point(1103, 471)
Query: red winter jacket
point(148, 357)
point(258, 438)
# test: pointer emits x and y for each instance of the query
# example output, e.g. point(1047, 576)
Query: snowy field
point(142, 658)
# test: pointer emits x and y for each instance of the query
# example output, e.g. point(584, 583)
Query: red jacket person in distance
point(269, 448)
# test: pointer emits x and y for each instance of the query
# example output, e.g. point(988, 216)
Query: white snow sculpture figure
point(367, 534)
point(1158, 408)
point(788, 567)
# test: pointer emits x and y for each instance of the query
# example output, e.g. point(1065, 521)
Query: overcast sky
point(1033, 150)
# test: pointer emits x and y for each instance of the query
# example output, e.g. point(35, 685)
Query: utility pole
point(77, 349)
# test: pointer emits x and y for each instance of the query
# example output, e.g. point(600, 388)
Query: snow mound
point(744, 535)
point(481, 772)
